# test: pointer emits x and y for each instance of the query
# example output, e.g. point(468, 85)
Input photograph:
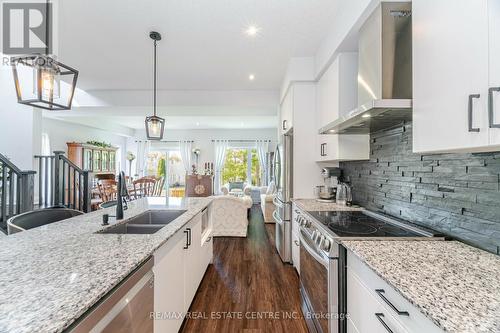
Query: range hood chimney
point(384, 73)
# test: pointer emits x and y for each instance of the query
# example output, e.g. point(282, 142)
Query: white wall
point(19, 124)
point(203, 140)
point(61, 132)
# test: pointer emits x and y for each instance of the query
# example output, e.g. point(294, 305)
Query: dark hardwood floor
point(248, 288)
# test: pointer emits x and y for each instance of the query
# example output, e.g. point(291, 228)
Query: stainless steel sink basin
point(129, 228)
point(156, 217)
point(148, 222)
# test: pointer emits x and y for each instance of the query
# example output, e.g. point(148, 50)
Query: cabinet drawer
point(390, 300)
point(365, 312)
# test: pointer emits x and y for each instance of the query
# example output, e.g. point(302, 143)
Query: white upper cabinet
point(494, 67)
point(286, 112)
point(336, 92)
point(451, 74)
point(342, 147)
point(336, 95)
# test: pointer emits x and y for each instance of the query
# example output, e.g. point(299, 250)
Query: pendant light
point(41, 81)
point(154, 124)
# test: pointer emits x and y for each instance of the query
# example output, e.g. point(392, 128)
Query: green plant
point(100, 144)
point(161, 168)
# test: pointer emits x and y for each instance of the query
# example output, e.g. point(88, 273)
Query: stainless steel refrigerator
point(283, 175)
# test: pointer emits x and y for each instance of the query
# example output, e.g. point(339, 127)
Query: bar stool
point(38, 218)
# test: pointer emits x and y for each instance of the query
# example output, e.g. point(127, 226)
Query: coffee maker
point(328, 191)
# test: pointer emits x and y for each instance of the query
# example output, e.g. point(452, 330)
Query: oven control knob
point(307, 224)
point(315, 235)
point(319, 240)
point(326, 245)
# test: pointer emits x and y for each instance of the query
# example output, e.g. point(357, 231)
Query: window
point(45, 145)
point(241, 165)
point(168, 164)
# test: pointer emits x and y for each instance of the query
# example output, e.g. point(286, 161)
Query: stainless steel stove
point(323, 259)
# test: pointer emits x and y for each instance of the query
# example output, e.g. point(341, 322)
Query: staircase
point(16, 191)
point(59, 183)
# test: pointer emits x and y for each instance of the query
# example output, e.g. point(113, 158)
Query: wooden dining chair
point(107, 189)
point(144, 187)
point(159, 186)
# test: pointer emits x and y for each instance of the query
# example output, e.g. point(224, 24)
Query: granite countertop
point(315, 205)
point(453, 284)
point(50, 276)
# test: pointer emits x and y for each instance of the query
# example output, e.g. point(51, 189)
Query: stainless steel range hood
point(384, 73)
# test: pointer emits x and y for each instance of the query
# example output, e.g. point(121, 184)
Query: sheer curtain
point(220, 156)
point(186, 149)
point(262, 149)
point(143, 148)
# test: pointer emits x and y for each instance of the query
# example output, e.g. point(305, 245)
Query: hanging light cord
point(154, 80)
point(47, 27)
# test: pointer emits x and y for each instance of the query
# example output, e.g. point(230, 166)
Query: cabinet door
point(450, 63)
point(105, 160)
point(169, 284)
point(494, 67)
point(327, 95)
point(286, 112)
point(96, 160)
point(327, 147)
point(192, 262)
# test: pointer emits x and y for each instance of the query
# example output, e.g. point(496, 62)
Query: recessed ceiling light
point(366, 115)
point(332, 131)
point(197, 124)
point(252, 30)
point(251, 77)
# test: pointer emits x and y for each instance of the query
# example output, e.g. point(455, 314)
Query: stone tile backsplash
point(457, 194)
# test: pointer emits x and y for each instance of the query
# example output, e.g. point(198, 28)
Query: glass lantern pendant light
point(154, 124)
point(41, 81)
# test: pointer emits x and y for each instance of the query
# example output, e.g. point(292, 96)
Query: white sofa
point(229, 215)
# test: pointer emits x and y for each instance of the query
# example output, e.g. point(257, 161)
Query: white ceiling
point(204, 48)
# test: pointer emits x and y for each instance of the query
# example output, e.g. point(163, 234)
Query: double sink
point(148, 222)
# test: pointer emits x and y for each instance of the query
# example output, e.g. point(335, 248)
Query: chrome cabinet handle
point(284, 124)
point(187, 240)
point(470, 109)
point(380, 317)
point(381, 293)
point(296, 242)
point(491, 108)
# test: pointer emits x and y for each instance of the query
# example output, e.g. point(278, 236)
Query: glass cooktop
point(358, 224)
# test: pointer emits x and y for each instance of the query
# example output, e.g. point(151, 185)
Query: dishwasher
point(126, 308)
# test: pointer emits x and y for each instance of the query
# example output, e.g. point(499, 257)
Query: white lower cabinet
point(179, 266)
point(372, 304)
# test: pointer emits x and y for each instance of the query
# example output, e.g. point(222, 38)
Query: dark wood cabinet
point(199, 186)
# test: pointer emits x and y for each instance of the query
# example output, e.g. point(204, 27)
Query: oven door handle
point(277, 203)
point(277, 219)
point(317, 256)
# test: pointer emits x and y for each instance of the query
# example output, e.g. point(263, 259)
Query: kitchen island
point(50, 276)
point(454, 285)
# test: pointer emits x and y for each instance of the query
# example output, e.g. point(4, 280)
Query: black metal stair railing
point(62, 183)
point(16, 190)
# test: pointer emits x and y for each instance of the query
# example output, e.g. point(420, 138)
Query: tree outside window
point(236, 166)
